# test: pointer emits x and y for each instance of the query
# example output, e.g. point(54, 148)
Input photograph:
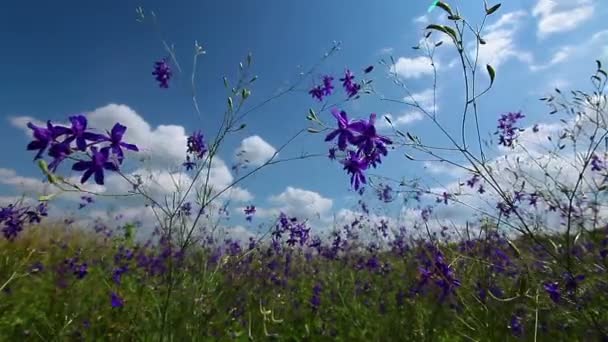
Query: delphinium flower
point(186, 209)
point(116, 300)
point(331, 154)
point(59, 152)
point(507, 129)
point(317, 92)
point(44, 137)
point(163, 73)
point(189, 164)
point(249, 211)
point(344, 132)
point(474, 180)
point(516, 324)
point(349, 85)
point(572, 282)
point(426, 213)
point(315, 300)
point(116, 144)
point(533, 199)
point(14, 217)
point(596, 163)
point(79, 133)
point(85, 201)
point(327, 85)
point(444, 198)
point(355, 165)
point(98, 163)
point(196, 145)
point(552, 288)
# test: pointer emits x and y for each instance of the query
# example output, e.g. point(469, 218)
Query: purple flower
point(96, 165)
point(80, 271)
point(332, 153)
point(79, 133)
point(343, 132)
point(355, 165)
point(116, 143)
point(59, 151)
point(249, 211)
point(163, 73)
point(316, 92)
point(369, 141)
point(596, 163)
point(506, 129)
point(553, 290)
point(189, 164)
point(516, 325)
point(186, 209)
point(327, 85)
point(44, 136)
point(385, 194)
point(350, 87)
point(196, 145)
point(116, 301)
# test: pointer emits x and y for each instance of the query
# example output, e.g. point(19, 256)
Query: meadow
point(532, 264)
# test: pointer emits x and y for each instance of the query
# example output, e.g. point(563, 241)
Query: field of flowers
point(509, 274)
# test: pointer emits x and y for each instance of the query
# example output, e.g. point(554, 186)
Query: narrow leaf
point(492, 9)
point(444, 7)
point(492, 73)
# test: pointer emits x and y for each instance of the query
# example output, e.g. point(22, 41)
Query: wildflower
point(343, 132)
point(79, 133)
point(533, 199)
point(80, 271)
point(196, 145)
point(332, 153)
point(350, 87)
point(596, 163)
point(315, 300)
point(186, 209)
point(59, 151)
point(189, 164)
point(426, 213)
point(116, 143)
point(471, 182)
point(385, 194)
point(369, 141)
point(163, 73)
point(249, 211)
point(444, 198)
point(355, 165)
point(116, 301)
point(317, 93)
point(327, 85)
point(516, 325)
point(553, 290)
point(96, 165)
point(572, 282)
point(44, 136)
point(507, 131)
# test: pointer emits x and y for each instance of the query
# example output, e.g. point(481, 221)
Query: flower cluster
point(163, 73)
point(507, 129)
point(326, 89)
point(597, 164)
point(350, 86)
point(298, 231)
point(434, 267)
point(367, 145)
point(249, 211)
point(197, 147)
point(108, 157)
point(13, 218)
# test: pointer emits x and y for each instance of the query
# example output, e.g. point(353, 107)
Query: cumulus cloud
point(555, 16)
point(413, 67)
point(400, 120)
point(254, 151)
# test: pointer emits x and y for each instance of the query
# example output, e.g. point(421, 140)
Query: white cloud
point(401, 120)
point(500, 42)
point(561, 55)
point(386, 51)
point(556, 16)
point(413, 67)
point(300, 203)
point(254, 151)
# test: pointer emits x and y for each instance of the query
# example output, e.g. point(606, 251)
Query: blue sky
point(68, 57)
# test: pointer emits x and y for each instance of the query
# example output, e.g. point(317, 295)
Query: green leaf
point(249, 59)
point(482, 41)
point(439, 43)
point(408, 156)
point(444, 7)
point(245, 93)
point(492, 9)
point(230, 103)
point(253, 79)
point(46, 197)
point(313, 130)
point(491, 72)
point(454, 17)
point(599, 64)
point(226, 82)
